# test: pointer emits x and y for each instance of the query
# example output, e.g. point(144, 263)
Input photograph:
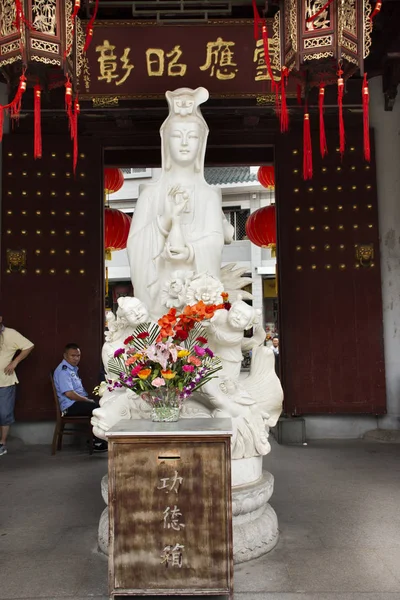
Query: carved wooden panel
point(170, 515)
point(330, 300)
point(57, 297)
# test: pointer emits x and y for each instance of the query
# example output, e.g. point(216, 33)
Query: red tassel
point(68, 104)
point(342, 141)
point(37, 145)
point(299, 90)
point(15, 105)
point(89, 27)
point(266, 51)
point(322, 137)
point(284, 114)
point(365, 98)
point(376, 10)
point(257, 20)
point(74, 14)
point(20, 17)
point(307, 148)
point(75, 133)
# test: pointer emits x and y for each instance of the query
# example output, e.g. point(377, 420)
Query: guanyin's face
point(183, 142)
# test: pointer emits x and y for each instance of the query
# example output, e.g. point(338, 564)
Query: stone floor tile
point(340, 570)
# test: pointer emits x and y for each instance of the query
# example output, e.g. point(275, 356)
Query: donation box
point(170, 508)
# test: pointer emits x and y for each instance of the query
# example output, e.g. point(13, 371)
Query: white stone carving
point(178, 222)
point(174, 248)
point(130, 313)
point(204, 287)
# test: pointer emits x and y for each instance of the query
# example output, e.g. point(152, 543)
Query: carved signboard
point(170, 513)
point(142, 60)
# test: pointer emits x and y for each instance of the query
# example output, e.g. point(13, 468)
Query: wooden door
point(330, 304)
point(57, 219)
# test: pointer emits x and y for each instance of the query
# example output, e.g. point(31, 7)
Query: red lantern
point(113, 180)
point(261, 227)
point(116, 230)
point(266, 176)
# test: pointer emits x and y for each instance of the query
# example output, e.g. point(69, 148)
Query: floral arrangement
point(167, 362)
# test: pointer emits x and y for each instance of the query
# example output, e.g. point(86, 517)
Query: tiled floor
point(338, 505)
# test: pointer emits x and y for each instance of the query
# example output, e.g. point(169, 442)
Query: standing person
point(72, 396)
point(11, 342)
point(275, 349)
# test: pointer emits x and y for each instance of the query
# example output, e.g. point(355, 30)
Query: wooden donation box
point(170, 508)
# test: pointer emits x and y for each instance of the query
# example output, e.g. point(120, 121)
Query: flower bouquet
point(165, 363)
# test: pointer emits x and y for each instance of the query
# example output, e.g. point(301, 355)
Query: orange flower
point(225, 295)
point(167, 323)
point(144, 373)
point(168, 374)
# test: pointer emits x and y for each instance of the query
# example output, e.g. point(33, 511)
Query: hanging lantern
point(113, 180)
point(261, 228)
point(116, 230)
point(40, 44)
point(266, 176)
point(319, 38)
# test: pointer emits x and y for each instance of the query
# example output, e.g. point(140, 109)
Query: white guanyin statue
point(178, 224)
point(174, 248)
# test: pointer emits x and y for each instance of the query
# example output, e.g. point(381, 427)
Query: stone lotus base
point(255, 524)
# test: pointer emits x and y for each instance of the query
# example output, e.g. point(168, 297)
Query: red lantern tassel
point(257, 20)
point(284, 114)
point(68, 105)
point(307, 147)
point(322, 137)
point(89, 27)
point(376, 10)
point(75, 133)
point(15, 105)
point(20, 17)
point(37, 145)
point(74, 14)
point(342, 141)
point(367, 146)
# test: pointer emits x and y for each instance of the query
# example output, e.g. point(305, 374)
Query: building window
point(137, 173)
point(237, 218)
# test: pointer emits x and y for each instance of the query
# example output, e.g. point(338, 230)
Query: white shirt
point(10, 342)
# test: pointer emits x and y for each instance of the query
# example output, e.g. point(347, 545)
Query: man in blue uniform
point(72, 396)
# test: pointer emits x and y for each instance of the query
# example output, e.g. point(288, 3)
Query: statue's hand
point(178, 199)
point(175, 254)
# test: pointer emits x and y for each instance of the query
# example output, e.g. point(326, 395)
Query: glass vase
point(165, 404)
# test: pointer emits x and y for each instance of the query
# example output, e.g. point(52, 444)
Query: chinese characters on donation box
point(172, 554)
point(146, 60)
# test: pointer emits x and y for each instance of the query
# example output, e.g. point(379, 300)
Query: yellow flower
point(167, 374)
point(182, 353)
point(137, 356)
point(144, 373)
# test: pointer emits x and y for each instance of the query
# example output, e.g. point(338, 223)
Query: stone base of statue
point(255, 524)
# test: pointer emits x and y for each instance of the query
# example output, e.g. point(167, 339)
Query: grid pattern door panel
point(330, 300)
point(56, 218)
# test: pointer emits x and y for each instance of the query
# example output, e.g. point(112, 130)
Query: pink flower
point(199, 351)
point(188, 368)
point(136, 370)
point(194, 361)
point(158, 382)
point(118, 352)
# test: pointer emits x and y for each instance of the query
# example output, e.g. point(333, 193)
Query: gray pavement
point(338, 505)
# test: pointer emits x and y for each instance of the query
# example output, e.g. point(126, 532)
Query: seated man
point(72, 396)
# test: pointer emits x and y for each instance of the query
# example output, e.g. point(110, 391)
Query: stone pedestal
point(255, 524)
